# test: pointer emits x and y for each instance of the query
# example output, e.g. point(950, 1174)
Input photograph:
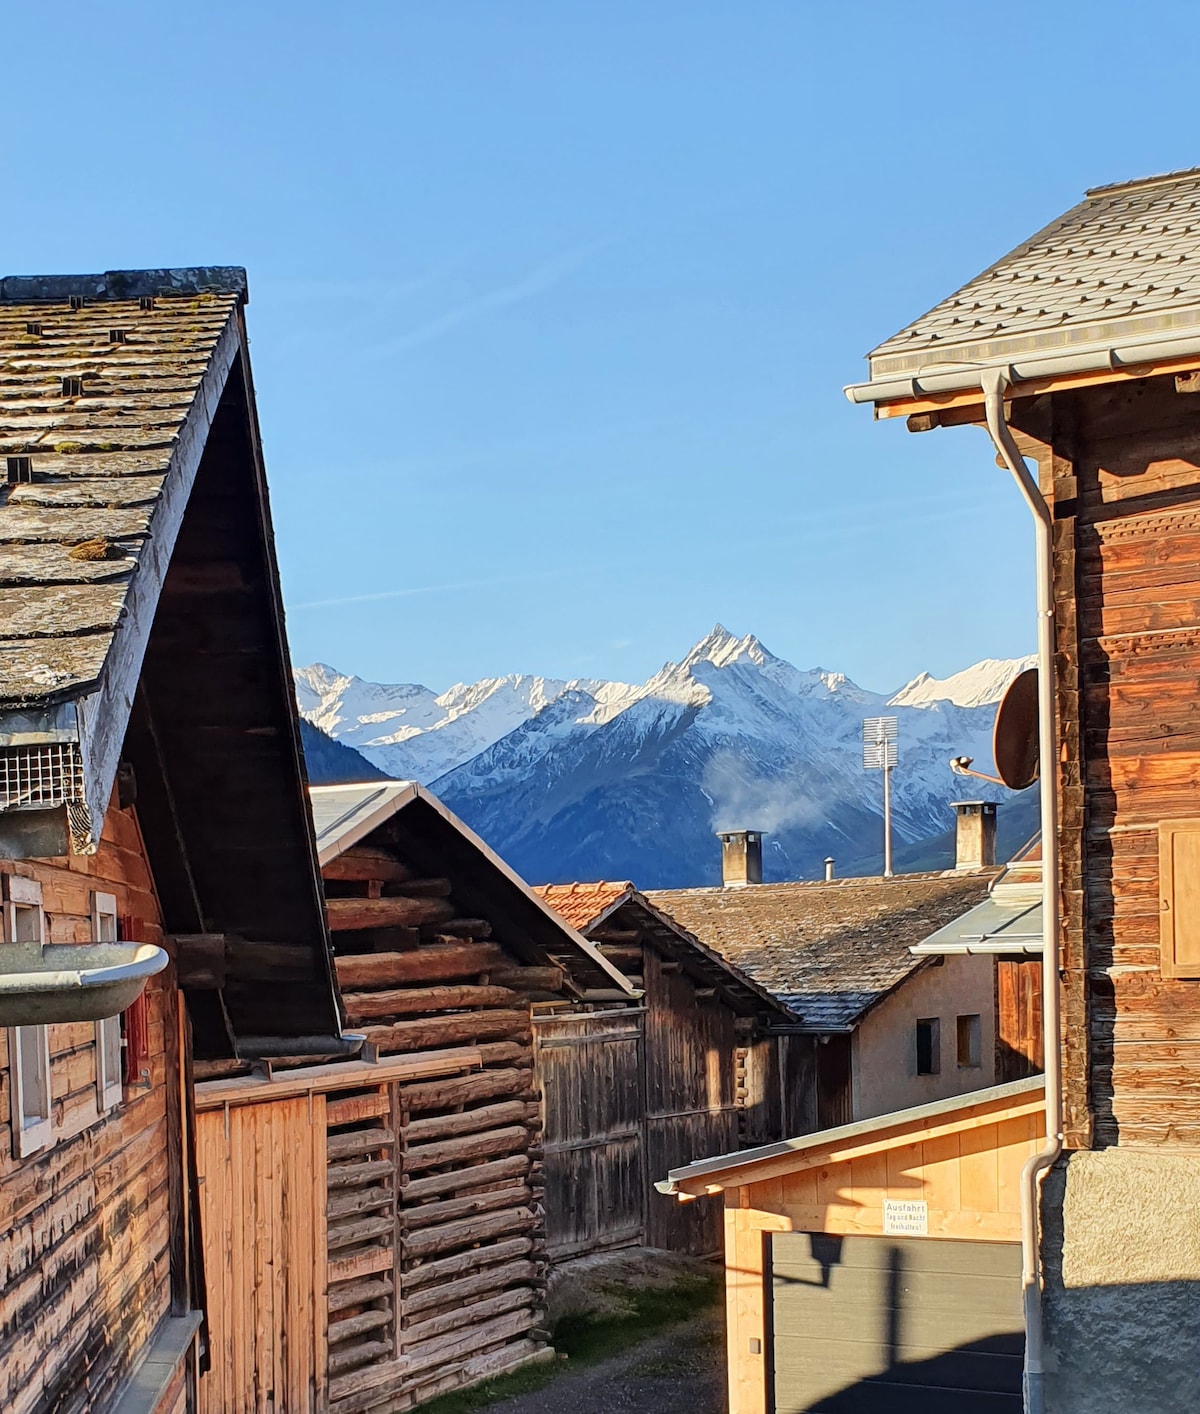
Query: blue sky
point(551, 304)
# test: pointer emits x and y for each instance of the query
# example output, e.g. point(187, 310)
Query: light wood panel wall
point(263, 1213)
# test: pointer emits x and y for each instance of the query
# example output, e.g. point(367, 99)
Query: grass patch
point(586, 1340)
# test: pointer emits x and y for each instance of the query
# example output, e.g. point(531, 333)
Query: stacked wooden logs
point(465, 1265)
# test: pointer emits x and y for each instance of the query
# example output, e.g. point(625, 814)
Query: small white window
point(108, 1031)
point(28, 1046)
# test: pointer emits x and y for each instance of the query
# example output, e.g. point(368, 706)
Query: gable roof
point(1121, 270)
point(439, 843)
point(829, 951)
point(584, 905)
point(954, 1115)
point(141, 622)
point(587, 906)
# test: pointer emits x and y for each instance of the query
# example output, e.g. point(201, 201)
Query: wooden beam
point(431, 964)
point(199, 960)
point(363, 865)
point(348, 914)
point(410, 1001)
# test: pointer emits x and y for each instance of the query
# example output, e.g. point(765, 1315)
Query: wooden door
point(262, 1200)
point(589, 1068)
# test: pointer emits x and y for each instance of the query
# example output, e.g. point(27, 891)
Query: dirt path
point(681, 1371)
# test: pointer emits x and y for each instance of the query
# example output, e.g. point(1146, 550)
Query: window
point(29, 1046)
point(970, 1043)
point(929, 1047)
point(108, 1031)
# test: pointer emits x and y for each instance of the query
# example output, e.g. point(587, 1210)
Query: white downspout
point(994, 382)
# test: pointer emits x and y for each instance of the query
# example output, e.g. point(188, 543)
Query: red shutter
point(135, 1029)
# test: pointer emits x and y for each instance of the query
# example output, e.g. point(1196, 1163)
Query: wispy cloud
point(412, 591)
point(538, 281)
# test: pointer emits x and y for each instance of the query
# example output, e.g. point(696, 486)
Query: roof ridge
point(1159, 179)
point(127, 284)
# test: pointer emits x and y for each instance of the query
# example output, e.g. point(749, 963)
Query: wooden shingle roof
point(829, 951)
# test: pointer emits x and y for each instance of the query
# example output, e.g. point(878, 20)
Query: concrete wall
point(1121, 1249)
point(885, 1047)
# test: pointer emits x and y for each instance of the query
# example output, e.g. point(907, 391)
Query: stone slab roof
point(829, 951)
point(99, 377)
point(1124, 263)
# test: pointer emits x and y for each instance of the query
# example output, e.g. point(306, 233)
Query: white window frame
point(31, 1134)
point(110, 1090)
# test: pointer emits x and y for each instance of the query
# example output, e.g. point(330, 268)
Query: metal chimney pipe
point(829, 868)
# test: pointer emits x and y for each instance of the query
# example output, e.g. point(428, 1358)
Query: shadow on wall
point(871, 1329)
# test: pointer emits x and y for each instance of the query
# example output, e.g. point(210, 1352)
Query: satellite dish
point(1015, 736)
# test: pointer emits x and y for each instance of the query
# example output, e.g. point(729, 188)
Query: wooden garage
point(877, 1266)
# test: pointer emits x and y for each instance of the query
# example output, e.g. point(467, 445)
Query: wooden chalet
point(694, 1068)
point(877, 1266)
point(418, 1182)
point(151, 789)
point(878, 1028)
point(1079, 353)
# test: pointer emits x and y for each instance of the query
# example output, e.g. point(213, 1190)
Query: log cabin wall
point(1121, 466)
point(453, 1165)
point(88, 1226)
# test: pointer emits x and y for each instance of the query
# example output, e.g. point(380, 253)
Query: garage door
point(882, 1325)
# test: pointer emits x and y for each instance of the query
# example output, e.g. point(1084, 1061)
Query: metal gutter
point(1096, 358)
point(994, 383)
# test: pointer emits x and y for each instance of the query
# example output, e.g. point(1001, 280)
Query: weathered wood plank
point(436, 963)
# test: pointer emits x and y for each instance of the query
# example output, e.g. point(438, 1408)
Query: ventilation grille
point(40, 775)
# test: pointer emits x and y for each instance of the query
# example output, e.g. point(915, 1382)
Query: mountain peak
point(720, 648)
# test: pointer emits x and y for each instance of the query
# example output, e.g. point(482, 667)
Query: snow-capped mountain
point(591, 779)
point(413, 733)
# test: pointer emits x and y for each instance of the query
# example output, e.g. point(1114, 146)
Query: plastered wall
point(885, 1070)
point(1121, 1254)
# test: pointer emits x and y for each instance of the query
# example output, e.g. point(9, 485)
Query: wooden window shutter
point(1179, 889)
point(135, 1020)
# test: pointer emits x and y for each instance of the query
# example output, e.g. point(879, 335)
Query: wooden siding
point(691, 1104)
point(1122, 466)
point(85, 1259)
point(263, 1216)
point(402, 1202)
point(590, 1070)
point(1020, 1045)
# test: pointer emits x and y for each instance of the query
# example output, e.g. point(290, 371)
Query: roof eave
point(729, 1170)
point(1030, 373)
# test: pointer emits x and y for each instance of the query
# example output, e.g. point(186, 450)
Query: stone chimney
point(975, 834)
point(741, 857)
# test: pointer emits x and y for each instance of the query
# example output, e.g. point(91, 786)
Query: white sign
point(905, 1217)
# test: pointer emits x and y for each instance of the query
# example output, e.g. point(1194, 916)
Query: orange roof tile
point(582, 904)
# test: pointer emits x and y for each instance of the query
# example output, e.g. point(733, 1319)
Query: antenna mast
point(881, 751)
